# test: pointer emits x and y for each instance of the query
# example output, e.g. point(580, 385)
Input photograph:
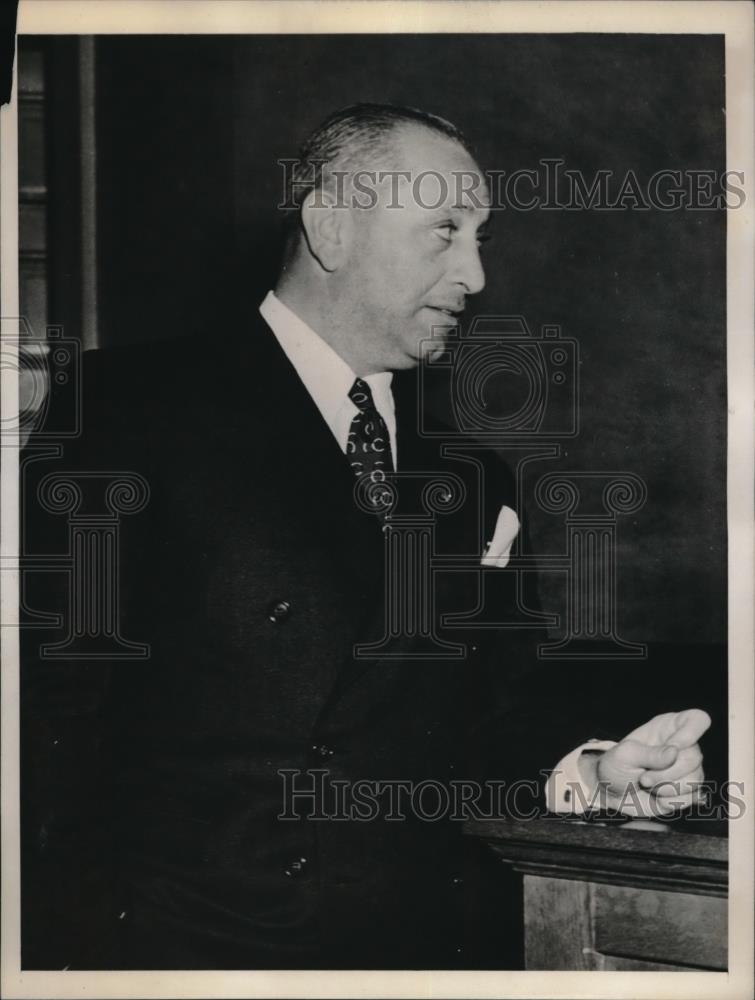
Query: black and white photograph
point(377, 499)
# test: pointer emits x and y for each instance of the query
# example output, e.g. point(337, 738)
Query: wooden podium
point(616, 897)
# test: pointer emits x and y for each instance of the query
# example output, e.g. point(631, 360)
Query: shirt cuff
point(565, 790)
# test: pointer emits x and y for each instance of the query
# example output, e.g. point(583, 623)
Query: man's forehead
point(471, 200)
point(463, 191)
point(438, 171)
point(417, 148)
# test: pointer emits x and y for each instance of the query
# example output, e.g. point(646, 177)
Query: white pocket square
point(498, 550)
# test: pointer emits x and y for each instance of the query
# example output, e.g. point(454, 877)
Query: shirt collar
point(326, 376)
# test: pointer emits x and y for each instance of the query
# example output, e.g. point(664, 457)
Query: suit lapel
point(418, 458)
point(303, 456)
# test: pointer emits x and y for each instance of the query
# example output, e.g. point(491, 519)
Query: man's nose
point(470, 271)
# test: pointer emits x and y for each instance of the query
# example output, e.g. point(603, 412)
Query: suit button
point(296, 868)
point(322, 751)
point(278, 611)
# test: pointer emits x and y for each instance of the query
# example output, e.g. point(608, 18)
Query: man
point(259, 573)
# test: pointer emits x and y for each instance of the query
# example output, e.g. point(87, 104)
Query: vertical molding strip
point(87, 95)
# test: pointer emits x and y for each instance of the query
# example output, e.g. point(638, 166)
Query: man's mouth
point(452, 314)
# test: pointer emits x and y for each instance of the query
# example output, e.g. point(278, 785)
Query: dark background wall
point(189, 130)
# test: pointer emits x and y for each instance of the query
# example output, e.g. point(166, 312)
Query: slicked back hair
point(358, 137)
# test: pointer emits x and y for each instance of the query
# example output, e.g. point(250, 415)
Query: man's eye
point(446, 231)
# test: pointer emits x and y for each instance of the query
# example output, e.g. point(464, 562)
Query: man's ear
point(327, 229)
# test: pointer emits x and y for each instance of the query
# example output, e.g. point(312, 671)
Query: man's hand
point(655, 770)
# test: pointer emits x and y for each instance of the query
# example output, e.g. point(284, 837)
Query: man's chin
point(442, 327)
point(430, 344)
point(434, 345)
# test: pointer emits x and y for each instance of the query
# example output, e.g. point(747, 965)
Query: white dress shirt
point(328, 379)
point(326, 376)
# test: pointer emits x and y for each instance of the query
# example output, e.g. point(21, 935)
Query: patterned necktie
point(368, 447)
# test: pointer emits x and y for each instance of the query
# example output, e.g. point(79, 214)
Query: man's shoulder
point(128, 385)
point(120, 363)
point(192, 370)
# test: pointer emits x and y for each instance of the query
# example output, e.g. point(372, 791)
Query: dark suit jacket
point(154, 786)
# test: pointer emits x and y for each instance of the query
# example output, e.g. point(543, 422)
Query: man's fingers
point(634, 754)
point(663, 805)
point(661, 761)
point(687, 761)
point(673, 788)
point(643, 803)
point(690, 726)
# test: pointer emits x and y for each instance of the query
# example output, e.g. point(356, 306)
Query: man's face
point(414, 257)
